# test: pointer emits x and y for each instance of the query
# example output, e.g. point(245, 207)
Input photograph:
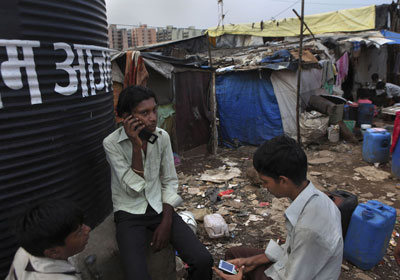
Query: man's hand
point(162, 233)
point(132, 127)
point(238, 276)
point(247, 263)
point(397, 252)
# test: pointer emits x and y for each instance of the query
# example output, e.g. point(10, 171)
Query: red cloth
point(396, 132)
point(364, 101)
point(135, 70)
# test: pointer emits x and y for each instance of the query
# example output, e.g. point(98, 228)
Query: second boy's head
point(53, 229)
point(141, 103)
point(375, 77)
point(281, 164)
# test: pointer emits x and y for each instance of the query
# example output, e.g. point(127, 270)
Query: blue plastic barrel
point(369, 233)
point(376, 145)
point(396, 161)
point(365, 113)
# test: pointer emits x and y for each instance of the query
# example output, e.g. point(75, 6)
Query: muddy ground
point(253, 225)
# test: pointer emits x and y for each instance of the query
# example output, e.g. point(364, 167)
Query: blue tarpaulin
point(395, 37)
point(247, 107)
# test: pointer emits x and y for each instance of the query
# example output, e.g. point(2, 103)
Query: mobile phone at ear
point(147, 136)
point(227, 267)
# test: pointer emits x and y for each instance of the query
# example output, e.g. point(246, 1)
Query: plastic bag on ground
point(313, 125)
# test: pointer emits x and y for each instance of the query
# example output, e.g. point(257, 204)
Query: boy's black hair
point(375, 77)
point(281, 156)
point(47, 225)
point(131, 96)
point(380, 85)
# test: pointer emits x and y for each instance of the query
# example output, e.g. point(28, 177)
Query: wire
point(274, 17)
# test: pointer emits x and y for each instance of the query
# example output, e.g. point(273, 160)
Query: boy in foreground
point(314, 244)
point(49, 234)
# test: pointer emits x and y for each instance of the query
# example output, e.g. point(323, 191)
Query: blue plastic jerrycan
point(369, 233)
point(376, 145)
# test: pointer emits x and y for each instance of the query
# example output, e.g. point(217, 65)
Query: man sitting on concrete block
point(144, 189)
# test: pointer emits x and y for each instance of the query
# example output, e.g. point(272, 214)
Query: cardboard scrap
point(220, 176)
point(253, 218)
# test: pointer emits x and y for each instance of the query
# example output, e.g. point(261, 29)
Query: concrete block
point(101, 258)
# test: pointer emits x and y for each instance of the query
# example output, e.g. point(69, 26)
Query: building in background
point(143, 36)
point(119, 38)
point(169, 33)
point(123, 38)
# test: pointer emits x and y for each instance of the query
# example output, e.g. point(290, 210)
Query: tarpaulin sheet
point(247, 108)
point(285, 88)
point(393, 36)
point(348, 20)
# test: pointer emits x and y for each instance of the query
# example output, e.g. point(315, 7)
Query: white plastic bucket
point(334, 133)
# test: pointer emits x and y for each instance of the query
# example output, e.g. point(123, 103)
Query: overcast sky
point(204, 13)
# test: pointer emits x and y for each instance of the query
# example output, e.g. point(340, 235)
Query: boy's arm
point(129, 175)
point(121, 168)
point(132, 127)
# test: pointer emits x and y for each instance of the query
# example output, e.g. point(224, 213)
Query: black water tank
point(56, 107)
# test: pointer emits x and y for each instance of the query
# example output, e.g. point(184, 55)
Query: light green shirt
point(130, 192)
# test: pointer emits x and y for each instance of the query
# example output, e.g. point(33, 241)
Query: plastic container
point(215, 226)
point(364, 128)
point(369, 233)
point(189, 219)
point(376, 145)
point(346, 202)
point(396, 161)
point(365, 113)
point(350, 124)
point(334, 133)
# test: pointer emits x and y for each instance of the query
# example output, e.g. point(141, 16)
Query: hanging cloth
point(342, 66)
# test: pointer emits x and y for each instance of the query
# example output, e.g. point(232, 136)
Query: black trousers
point(132, 243)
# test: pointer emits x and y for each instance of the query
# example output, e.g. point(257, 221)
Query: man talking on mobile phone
point(144, 189)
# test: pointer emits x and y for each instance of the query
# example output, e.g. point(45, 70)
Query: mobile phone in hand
point(147, 136)
point(227, 267)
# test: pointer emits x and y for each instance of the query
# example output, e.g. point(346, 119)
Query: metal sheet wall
point(56, 107)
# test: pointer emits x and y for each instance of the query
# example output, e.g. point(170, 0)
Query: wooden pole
point(213, 105)
point(305, 24)
point(298, 105)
